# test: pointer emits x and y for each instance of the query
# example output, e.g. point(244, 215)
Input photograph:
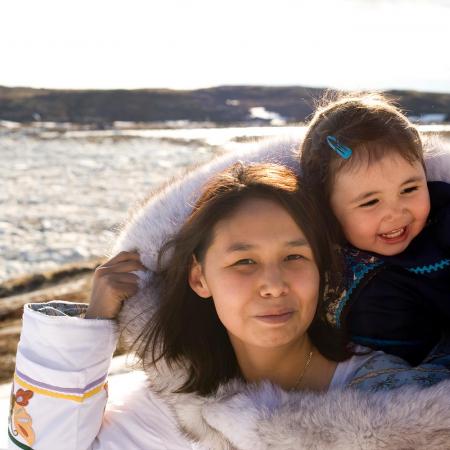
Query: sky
point(189, 44)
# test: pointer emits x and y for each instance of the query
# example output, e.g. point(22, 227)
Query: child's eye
point(244, 262)
point(294, 257)
point(408, 190)
point(369, 203)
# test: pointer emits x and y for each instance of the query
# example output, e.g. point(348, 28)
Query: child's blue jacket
point(401, 304)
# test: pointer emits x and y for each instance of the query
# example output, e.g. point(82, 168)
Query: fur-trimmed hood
point(261, 417)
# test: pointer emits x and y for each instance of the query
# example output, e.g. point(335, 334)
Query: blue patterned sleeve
point(383, 372)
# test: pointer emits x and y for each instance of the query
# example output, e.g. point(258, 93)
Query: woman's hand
point(113, 283)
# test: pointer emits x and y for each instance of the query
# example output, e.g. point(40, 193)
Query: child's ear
point(197, 280)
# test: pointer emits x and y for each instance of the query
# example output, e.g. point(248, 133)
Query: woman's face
point(261, 275)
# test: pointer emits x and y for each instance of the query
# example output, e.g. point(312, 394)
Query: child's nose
point(272, 283)
point(395, 211)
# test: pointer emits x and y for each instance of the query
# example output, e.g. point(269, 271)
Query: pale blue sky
point(348, 44)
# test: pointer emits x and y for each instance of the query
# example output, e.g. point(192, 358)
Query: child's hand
point(113, 283)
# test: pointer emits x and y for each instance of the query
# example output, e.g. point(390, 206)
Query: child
point(236, 300)
point(363, 158)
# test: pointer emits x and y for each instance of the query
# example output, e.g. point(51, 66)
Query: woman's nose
point(272, 283)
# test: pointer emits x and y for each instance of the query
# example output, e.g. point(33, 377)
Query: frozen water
point(63, 192)
point(61, 199)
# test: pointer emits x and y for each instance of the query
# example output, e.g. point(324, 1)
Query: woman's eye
point(408, 190)
point(244, 262)
point(294, 257)
point(369, 203)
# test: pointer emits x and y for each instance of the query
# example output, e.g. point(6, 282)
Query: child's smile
point(395, 236)
point(382, 206)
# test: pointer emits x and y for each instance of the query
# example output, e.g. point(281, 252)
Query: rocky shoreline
point(222, 104)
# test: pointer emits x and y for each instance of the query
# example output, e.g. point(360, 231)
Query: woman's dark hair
point(185, 329)
point(369, 124)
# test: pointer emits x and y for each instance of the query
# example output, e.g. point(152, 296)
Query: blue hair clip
point(342, 150)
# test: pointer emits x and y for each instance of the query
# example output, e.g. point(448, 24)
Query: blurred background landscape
point(216, 106)
point(102, 102)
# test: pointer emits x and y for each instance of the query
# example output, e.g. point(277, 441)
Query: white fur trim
point(249, 418)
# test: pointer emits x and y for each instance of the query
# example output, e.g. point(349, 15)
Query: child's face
point(383, 206)
point(261, 274)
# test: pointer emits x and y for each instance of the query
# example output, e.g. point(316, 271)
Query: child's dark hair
point(369, 124)
point(185, 328)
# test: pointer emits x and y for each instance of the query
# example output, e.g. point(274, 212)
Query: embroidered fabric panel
point(16, 442)
point(357, 266)
point(66, 393)
point(20, 421)
point(60, 308)
point(360, 266)
point(430, 268)
point(385, 372)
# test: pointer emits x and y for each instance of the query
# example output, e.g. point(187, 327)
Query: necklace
point(307, 363)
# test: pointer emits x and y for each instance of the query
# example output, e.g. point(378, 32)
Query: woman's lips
point(275, 318)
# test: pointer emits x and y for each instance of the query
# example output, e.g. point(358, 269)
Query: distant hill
point(223, 104)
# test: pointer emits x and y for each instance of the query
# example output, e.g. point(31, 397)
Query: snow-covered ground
point(64, 191)
point(61, 199)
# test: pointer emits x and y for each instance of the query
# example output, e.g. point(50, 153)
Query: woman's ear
point(197, 280)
